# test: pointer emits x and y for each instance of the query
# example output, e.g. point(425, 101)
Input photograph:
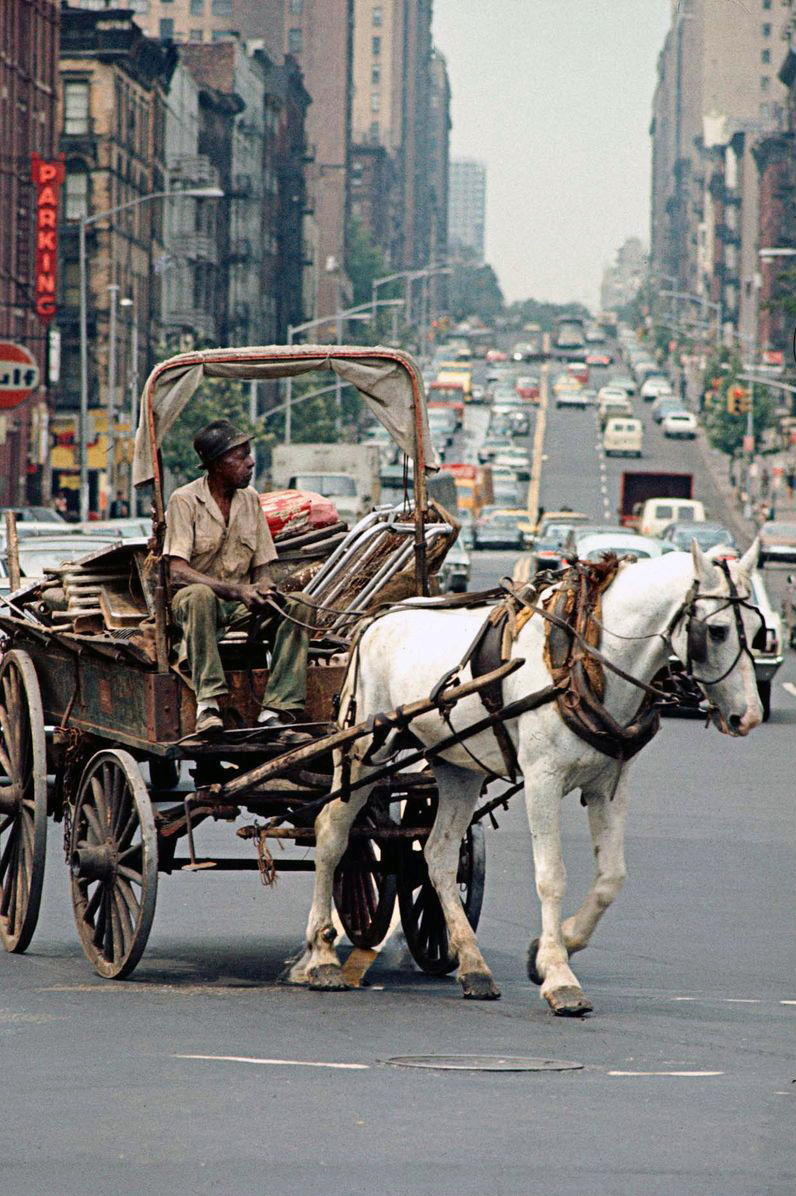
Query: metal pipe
point(113, 291)
point(83, 420)
point(12, 551)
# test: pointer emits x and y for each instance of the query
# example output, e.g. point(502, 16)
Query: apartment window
point(377, 14)
point(376, 46)
point(76, 120)
point(765, 83)
point(766, 30)
point(197, 8)
point(375, 102)
point(294, 41)
point(374, 130)
point(765, 56)
point(375, 73)
point(221, 8)
point(71, 292)
point(295, 8)
point(196, 35)
point(166, 29)
point(223, 35)
point(766, 3)
point(76, 198)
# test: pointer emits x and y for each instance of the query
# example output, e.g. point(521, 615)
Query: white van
point(657, 512)
point(624, 437)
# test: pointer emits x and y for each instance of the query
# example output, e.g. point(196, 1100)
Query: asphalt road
point(687, 1078)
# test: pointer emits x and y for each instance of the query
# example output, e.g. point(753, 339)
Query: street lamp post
point(715, 304)
point(113, 291)
point(133, 389)
point(85, 221)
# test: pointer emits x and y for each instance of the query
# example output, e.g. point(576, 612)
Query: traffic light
point(732, 401)
point(739, 400)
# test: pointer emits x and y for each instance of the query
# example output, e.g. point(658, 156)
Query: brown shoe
point(209, 721)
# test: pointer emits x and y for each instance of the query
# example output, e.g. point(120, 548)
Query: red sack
point(290, 512)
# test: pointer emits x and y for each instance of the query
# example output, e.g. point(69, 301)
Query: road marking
point(787, 1002)
point(686, 1074)
point(723, 1000)
point(790, 688)
point(538, 445)
point(278, 1062)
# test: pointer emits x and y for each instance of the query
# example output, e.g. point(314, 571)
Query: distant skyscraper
point(467, 206)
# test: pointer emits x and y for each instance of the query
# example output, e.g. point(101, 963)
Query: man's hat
point(218, 438)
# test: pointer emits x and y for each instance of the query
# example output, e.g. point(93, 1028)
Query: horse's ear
point(704, 569)
point(748, 562)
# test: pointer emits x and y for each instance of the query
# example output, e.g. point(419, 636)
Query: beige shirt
point(196, 532)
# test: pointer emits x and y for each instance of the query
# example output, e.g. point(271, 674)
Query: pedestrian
point(60, 505)
point(120, 508)
point(219, 551)
point(790, 478)
point(765, 481)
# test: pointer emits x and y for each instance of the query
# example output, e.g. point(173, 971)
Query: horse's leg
point(543, 795)
point(318, 965)
point(458, 794)
point(607, 813)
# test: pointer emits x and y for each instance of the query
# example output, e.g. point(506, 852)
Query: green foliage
point(216, 398)
point(725, 430)
point(532, 311)
point(364, 262)
point(474, 290)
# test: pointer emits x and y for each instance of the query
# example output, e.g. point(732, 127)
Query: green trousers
point(203, 619)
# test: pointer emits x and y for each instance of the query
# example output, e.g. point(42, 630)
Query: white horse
point(403, 655)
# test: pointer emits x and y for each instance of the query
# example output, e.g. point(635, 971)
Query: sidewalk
point(717, 465)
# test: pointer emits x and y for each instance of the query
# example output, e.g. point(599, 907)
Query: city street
point(200, 1074)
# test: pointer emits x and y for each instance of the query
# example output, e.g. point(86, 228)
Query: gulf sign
point(19, 374)
point(47, 177)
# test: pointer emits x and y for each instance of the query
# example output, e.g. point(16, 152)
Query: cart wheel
point(364, 884)
point(23, 800)
point(421, 913)
point(113, 856)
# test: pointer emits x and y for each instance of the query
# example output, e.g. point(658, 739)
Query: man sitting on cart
point(219, 550)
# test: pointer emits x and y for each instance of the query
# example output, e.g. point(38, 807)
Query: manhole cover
point(482, 1063)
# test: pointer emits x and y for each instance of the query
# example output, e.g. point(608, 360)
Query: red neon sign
point(47, 177)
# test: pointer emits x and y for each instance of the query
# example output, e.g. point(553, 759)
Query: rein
point(696, 645)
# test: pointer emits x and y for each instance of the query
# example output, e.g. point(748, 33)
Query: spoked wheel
point(421, 913)
point(114, 863)
point(23, 800)
point(364, 882)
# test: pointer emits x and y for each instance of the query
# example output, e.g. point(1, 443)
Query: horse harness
point(572, 614)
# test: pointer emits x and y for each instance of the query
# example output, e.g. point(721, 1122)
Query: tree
point(364, 261)
point(216, 398)
point(532, 311)
point(726, 430)
point(474, 290)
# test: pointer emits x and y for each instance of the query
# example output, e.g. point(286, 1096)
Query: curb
point(745, 529)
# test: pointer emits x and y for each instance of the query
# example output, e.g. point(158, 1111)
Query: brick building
point(29, 40)
point(112, 134)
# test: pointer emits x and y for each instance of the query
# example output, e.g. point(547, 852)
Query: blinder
point(697, 646)
point(697, 627)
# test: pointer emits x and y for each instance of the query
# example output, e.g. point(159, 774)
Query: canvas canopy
point(387, 379)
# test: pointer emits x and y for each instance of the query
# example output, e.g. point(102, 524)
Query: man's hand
point(255, 596)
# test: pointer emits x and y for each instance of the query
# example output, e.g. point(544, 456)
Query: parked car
point(777, 541)
point(498, 527)
point(707, 535)
point(572, 398)
point(665, 405)
point(454, 572)
point(491, 446)
point(517, 459)
point(658, 512)
point(595, 547)
point(623, 437)
point(527, 387)
point(654, 385)
point(680, 425)
point(34, 514)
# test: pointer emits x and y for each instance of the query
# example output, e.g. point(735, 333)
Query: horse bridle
point(697, 625)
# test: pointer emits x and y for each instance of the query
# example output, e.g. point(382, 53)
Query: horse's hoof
point(478, 986)
point(568, 1002)
point(533, 974)
point(294, 973)
point(328, 977)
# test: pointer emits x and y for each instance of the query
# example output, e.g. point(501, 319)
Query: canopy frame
point(274, 361)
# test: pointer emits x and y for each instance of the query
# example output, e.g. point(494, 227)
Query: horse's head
point(714, 635)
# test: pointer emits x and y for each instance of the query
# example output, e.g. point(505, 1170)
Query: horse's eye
point(718, 633)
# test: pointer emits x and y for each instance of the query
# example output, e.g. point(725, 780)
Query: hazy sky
point(554, 96)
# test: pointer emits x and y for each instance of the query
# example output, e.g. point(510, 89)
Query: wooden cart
point(83, 708)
